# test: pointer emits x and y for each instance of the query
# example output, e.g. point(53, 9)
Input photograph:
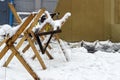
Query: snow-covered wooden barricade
point(10, 46)
point(30, 22)
point(27, 36)
point(55, 27)
point(56, 23)
point(29, 31)
point(19, 20)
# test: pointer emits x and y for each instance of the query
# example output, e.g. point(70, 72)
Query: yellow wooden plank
point(8, 60)
point(28, 46)
point(24, 63)
point(18, 19)
point(12, 55)
point(48, 54)
point(36, 19)
point(21, 29)
point(33, 24)
point(35, 51)
point(4, 50)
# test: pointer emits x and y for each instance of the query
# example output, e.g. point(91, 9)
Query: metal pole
point(11, 15)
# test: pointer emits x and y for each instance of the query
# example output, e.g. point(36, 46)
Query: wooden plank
point(48, 33)
point(11, 40)
point(24, 63)
point(21, 29)
point(26, 48)
point(18, 19)
point(33, 24)
point(48, 54)
point(12, 55)
point(4, 50)
point(36, 19)
point(42, 38)
point(8, 60)
point(35, 51)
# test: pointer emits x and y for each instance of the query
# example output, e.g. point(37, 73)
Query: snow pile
point(7, 31)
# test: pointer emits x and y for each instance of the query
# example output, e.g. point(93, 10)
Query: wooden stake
point(24, 63)
point(12, 55)
point(35, 51)
point(18, 19)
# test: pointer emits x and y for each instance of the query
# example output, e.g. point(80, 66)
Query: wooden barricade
point(34, 21)
point(10, 45)
point(29, 31)
point(26, 28)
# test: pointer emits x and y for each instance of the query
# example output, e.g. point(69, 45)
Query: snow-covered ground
point(100, 65)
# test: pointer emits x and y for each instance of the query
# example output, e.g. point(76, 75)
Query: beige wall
point(115, 32)
point(117, 11)
point(91, 19)
point(115, 28)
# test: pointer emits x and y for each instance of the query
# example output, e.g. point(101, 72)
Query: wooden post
point(24, 63)
point(35, 51)
point(12, 55)
point(18, 19)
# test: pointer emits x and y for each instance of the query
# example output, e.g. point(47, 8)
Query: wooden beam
point(21, 29)
point(36, 20)
point(35, 50)
point(12, 55)
point(18, 19)
point(24, 63)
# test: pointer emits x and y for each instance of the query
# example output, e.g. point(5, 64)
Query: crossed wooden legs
point(24, 38)
point(31, 44)
point(10, 45)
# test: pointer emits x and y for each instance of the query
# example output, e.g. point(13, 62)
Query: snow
point(82, 65)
